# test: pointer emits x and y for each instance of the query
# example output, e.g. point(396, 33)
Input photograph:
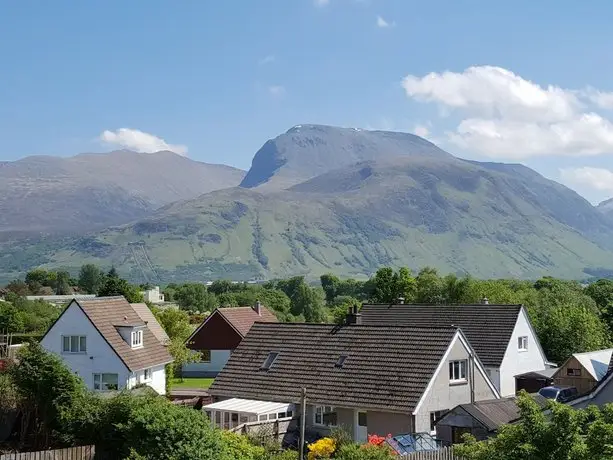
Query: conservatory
point(231, 413)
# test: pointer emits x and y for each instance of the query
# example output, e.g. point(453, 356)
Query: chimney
point(258, 308)
point(485, 301)
point(401, 300)
point(354, 316)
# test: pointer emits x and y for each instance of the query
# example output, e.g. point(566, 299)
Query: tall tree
point(384, 289)
point(430, 286)
point(91, 278)
point(308, 302)
point(195, 297)
point(115, 286)
point(62, 283)
point(405, 285)
point(329, 283)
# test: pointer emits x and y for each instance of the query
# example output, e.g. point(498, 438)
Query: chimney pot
point(258, 307)
point(354, 316)
point(485, 301)
point(401, 300)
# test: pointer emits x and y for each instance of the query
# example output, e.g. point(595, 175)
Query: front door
point(362, 427)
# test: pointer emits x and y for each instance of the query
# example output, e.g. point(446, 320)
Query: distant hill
point(606, 207)
point(416, 205)
point(45, 194)
point(306, 151)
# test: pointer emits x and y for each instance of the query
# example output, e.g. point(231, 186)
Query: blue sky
point(505, 81)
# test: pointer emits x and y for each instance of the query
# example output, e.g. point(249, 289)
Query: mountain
point(45, 194)
point(416, 207)
point(306, 151)
point(606, 207)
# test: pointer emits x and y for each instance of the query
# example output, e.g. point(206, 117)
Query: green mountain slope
point(486, 219)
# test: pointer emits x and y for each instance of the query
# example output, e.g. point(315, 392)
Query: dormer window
point(137, 339)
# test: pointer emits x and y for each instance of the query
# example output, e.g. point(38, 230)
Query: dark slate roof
point(487, 327)
point(494, 413)
point(108, 313)
point(386, 367)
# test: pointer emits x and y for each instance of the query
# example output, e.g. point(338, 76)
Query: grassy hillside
point(488, 220)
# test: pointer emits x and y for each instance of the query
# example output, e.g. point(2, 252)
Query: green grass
point(192, 382)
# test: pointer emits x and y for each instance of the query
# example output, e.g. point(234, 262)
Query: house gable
point(442, 395)
point(516, 361)
point(215, 333)
point(99, 357)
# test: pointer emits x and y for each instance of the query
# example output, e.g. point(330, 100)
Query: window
point(147, 374)
point(205, 356)
point(137, 339)
point(269, 360)
point(435, 417)
point(74, 344)
point(263, 418)
point(272, 416)
point(522, 343)
point(340, 361)
point(289, 413)
point(457, 371)
point(105, 382)
point(573, 372)
point(362, 419)
point(324, 416)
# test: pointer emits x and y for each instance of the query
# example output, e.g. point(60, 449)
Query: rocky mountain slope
point(416, 205)
point(606, 207)
point(44, 194)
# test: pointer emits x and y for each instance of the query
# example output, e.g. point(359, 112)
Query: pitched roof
point(242, 318)
point(487, 327)
point(494, 413)
point(143, 311)
point(385, 366)
point(106, 314)
point(596, 363)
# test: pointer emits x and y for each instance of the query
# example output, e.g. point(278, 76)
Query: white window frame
point(136, 338)
point(435, 416)
point(147, 378)
point(101, 384)
point(522, 343)
point(458, 374)
point(79, 340)
point(320, 412)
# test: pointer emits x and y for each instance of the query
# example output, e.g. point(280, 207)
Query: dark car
point(559, 394)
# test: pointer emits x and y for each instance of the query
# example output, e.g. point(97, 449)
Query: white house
point(108, 345)
point(153, 295)
point(502, 335)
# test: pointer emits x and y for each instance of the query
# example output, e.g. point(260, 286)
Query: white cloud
point(277, 90)
point(595, 178)
point(267, 59)
point(321, 2)
point(602, 99)
point(382, 23)
point(507, 116)
point(421, 131)
point(139, 141)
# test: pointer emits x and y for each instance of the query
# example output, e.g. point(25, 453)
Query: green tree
point(46, 389)
point(62, 283)
point(602, 293)
point(430, 287)
point(18, 287)
point(275, 300)
point(384, 290)
point(175, 323)
point(115, 286)
point(405, 285)
point(194, 297)
point(567, 434)
point(330, 283)
point(308, 302)
point(219, 287)
point(11, 320)
point(91, 278)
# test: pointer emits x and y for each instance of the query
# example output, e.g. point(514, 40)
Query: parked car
point(559, 394)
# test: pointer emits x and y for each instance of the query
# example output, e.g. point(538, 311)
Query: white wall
point(157, 381)
point(517, 362)
point(494, 374)
point(443, 395)
point(99, 358)
point(219, 358)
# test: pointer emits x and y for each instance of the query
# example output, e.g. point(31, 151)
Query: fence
point(446, 453)
point(70, 453)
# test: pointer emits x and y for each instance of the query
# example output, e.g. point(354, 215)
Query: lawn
point(192, 382)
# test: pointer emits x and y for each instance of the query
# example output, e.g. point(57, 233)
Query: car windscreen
point(549, 393)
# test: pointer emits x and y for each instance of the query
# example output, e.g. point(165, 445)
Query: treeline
point(568, 317)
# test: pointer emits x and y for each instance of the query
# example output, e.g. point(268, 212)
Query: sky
point(521, 81)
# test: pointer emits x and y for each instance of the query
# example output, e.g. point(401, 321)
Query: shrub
point(323, 448)
point(364, 452)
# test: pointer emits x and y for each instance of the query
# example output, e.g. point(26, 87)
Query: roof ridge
point(445, 304)
point(591, 352)
point(365, 326)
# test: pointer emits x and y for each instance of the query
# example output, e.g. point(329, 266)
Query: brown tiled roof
point(497, 412)
point(142, 310)
point(242, 318)
point(386, 366)
point(487, 327)
point(106, 313)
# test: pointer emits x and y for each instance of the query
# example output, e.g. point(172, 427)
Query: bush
point(365, 452)
point(239, 447)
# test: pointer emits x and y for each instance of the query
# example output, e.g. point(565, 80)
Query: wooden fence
point(70, 453)
point(446, 453)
